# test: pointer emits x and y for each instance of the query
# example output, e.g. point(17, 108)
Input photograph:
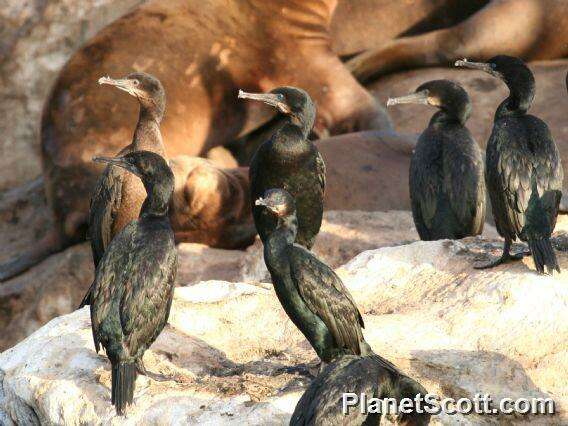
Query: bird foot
point(502, 260)
point(520, 255)
point(301, 370)
point(157, 377)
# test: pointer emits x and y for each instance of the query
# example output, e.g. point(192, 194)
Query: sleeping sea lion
point(201, 52)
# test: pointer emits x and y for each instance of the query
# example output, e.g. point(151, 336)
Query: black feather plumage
point(289, 160)
point(523, 168)
point(131, 295)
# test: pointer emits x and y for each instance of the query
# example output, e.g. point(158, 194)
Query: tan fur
point(202, 52)
point(211, 205)
point(529, 29)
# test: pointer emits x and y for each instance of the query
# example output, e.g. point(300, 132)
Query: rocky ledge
point(234, 357)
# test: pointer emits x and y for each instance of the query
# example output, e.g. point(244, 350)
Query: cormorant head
point(514, 72)
point(146, 88)
point(291, 101)
point(277, 201)
point(447, 95)
point(156, 175)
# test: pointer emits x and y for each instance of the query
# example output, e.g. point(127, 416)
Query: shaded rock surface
point(24, 218)
point(237, 358)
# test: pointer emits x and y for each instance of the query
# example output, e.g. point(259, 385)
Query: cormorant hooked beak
point(119, 162)
point(262, 202)
point(482, 66)
point(421, 97)
point(275, 100)
point(126, 84)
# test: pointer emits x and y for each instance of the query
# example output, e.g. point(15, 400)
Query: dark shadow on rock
point(24, 218)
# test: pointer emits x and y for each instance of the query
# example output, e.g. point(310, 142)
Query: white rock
point(457, 330)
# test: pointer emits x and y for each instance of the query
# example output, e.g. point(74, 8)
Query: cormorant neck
point(300, 126)
point(283, 236)
point(157, 201)
point(446, 117)
point(147, 135)
point(150, 113)
point(291, 142)
point(287, 228)
point(521, 96)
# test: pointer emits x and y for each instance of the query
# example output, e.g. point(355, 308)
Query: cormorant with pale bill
point(119, 195)
point(523, 170)
point(289, 160)
point(447, 189)
point(321, 403)
point(132, 292)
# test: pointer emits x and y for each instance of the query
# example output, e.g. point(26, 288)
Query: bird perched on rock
point(447, 188)
point(119, 195)
point(319, 304)
point(312, 295)
point(132, 292)
point(523, 170)
point(289, 160)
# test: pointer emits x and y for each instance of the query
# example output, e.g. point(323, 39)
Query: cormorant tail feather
point(123, 380)
point(543, 255)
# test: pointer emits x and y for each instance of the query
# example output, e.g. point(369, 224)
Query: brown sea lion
point(529, 29)
point(360, 25)
point(211, 205)
point(201, 52)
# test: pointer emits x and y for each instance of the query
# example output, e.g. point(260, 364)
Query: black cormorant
point(447, 189)
point(312, 295)
point(523, 170)
point(289, 160)
point(119, 195)
point(132, 292)
point(322, 308)
point(321, 403)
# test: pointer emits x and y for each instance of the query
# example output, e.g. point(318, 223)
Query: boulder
point(234, 357)
point(345, 234)
point(24, 218)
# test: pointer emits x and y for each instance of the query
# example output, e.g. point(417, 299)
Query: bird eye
point(280, 97)
point(135, 82)
point(493, 65)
